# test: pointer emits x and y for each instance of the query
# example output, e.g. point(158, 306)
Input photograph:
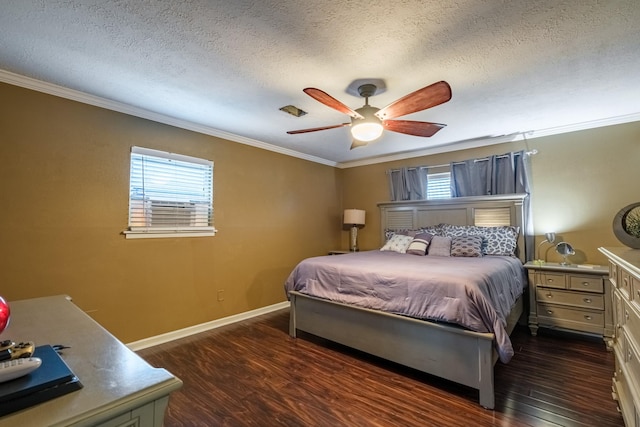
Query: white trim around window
point(170, 195)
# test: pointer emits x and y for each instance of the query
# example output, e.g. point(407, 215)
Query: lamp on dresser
point(355, 219)
point(549, 238)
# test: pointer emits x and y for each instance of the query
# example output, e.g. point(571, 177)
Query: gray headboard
point(486, 211)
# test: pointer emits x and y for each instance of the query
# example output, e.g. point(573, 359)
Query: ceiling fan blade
point(293, 132)
point(331, 102)
point(427, 97)
point(355, 144)
point(411, 127)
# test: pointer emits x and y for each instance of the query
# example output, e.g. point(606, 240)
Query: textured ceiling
point(513, 66)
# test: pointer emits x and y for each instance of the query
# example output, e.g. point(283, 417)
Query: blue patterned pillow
point(388, 233)
point(500, 240)
point(434, 230)
point(466, 246)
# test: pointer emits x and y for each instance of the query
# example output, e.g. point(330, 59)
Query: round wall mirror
point(626, 225)
point(565, 249)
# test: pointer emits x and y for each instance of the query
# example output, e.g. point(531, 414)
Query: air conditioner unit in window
point(172, 214)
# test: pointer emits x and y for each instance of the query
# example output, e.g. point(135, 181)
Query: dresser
point(119, 389)
point(571, 298)
point(624, 275)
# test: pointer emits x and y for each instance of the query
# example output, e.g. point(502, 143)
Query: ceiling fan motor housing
point(367, 90)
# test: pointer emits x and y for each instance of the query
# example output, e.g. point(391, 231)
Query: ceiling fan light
point(366, 131)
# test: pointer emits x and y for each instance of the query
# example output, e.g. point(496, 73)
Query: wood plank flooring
point(253, 374)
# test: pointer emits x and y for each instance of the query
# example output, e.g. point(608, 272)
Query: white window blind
point(170, 195)
point(439, 185)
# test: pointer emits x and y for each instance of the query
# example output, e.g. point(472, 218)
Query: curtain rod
point(530, 152)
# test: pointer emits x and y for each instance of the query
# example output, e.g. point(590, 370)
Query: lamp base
point(353, 247)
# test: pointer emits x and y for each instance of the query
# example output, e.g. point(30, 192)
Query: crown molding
point(96, 101)
point(75, 95)
point(492, 140)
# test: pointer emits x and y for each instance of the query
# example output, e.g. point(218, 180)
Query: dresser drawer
point(631, 357)
point(565, 317)
point(635, 291)
point(619, 343)
point(622, 394)
point(624, 282)
point(576, 299)
point(631, 321)
point(550, 280)
point(613, 273)
point(586, 284)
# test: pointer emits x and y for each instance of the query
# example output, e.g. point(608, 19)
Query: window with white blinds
point(170, 195)
point(439, 185)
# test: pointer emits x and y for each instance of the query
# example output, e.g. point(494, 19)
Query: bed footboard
point(449, 352)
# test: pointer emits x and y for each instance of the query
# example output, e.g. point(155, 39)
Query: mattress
point(476, 293)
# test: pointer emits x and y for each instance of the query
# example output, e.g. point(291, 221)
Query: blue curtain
point(408, 183)
point(504, 174)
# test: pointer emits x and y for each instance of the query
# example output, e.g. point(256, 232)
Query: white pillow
point(398, 243)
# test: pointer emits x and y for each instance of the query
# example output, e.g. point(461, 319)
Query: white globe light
point(366, 131)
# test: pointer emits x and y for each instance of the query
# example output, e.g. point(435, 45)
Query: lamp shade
point(354, 216)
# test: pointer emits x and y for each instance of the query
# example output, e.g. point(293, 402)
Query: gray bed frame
point(443, 350)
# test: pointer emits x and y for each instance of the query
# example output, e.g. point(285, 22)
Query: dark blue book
point(52, 379)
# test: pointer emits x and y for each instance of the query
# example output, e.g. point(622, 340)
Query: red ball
point(5, 314)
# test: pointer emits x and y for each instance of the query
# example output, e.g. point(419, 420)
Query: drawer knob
point(549, 312)
point(550, 280)
point(585, 283)
point(587, 300)
point(549, 295)
point(586, 316)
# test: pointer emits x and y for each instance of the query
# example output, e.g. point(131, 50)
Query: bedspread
point(475, 293)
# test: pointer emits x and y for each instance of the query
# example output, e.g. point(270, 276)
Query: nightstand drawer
point(565, 317)
point(587, 284)
point(576, 299)
point(551, 280)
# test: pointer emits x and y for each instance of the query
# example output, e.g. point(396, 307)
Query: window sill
point(138, 234)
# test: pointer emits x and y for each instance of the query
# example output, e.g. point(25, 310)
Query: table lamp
point(355, 219)
point(550, 238)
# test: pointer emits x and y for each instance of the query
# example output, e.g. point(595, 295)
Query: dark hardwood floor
point(253, 374)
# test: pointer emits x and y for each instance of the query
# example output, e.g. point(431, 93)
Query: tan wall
point(64, 184)
point(64, 190)
point(580, 181)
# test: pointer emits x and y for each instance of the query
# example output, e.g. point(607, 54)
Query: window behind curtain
point(439, 185)
point(170, 195)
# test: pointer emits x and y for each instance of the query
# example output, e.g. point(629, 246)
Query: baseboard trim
point(191, 330)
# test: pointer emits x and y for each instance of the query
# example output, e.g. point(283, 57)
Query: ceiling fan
point(368, 122)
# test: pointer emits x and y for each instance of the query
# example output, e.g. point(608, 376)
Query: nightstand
point(569, 297)
point(338, 252)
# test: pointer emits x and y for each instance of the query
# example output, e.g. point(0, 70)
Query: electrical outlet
point(221, 295)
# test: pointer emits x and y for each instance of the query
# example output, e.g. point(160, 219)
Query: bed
point(436, 346)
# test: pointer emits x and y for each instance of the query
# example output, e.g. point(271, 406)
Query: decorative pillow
point(388, 233)
point(434, 230)
point(419, 244)
point(398, 243)
point(500, 240)
point(440, 246)
point(466, 246)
